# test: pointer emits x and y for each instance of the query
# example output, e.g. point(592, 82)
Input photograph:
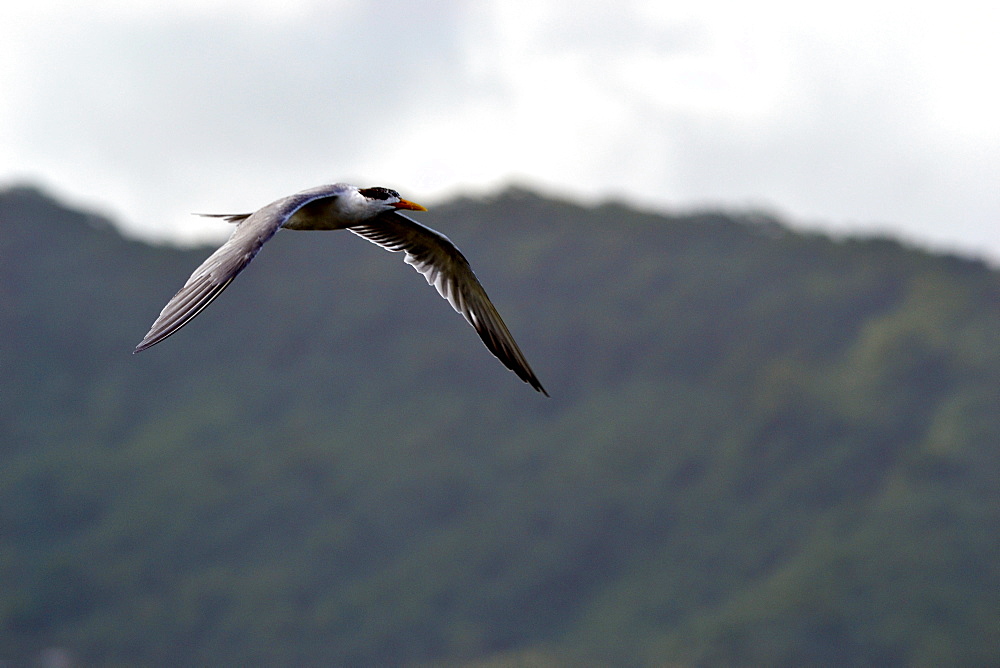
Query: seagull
point(371, 213)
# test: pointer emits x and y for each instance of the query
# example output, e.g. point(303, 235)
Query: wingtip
point(529, 378)
point(144, 344)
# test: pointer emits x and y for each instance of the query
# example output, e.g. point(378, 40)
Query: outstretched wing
point(444, 266)
point(218, 271)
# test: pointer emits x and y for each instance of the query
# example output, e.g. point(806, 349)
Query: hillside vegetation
point(763, 447)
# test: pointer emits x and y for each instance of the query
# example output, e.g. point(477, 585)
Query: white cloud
point(854, 114)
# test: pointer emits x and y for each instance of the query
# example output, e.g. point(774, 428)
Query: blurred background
point(750, 251)
point(860, 116)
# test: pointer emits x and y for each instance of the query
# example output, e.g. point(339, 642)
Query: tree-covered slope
point(763, 447)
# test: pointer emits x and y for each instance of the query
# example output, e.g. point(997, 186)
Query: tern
point(371, 213)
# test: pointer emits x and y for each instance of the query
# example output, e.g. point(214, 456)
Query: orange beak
point(408, 205)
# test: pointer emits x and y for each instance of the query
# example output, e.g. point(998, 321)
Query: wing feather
point(444, 267)
point(216, 273)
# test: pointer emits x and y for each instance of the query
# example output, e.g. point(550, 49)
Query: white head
point(365, 203)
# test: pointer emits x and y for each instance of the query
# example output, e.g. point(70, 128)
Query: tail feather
point(228, 217)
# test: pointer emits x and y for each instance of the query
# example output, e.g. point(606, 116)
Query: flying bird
point(371, 213)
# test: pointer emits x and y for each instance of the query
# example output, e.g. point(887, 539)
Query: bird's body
point(372, 213)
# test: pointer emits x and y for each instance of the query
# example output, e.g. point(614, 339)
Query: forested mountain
point(763, 447)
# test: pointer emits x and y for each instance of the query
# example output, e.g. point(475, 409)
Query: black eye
point(379, 193)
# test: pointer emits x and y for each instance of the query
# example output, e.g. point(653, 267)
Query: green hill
point(763, 447)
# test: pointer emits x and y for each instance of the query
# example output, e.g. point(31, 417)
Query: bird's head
point(384, 199)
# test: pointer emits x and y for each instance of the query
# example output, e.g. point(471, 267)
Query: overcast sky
point(853, 116)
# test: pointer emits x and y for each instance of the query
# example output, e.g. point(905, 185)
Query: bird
point(372, 213)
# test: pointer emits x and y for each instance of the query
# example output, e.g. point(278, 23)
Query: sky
point(849, 117)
